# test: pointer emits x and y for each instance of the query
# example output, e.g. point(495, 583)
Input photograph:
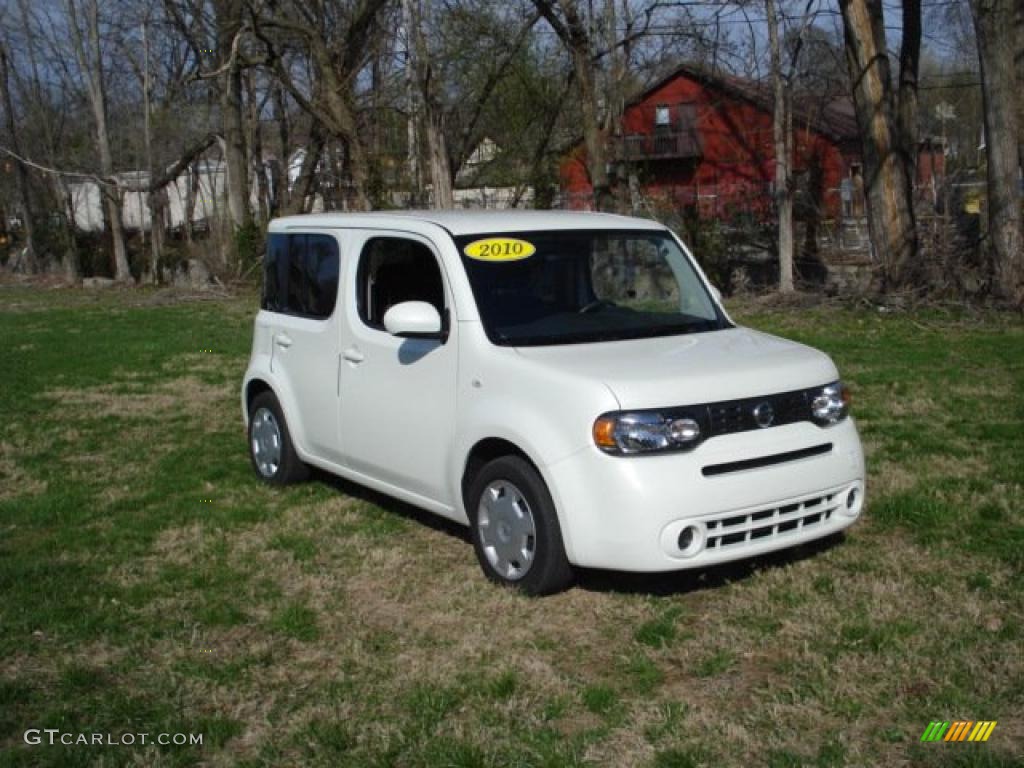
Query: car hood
point(698, 368)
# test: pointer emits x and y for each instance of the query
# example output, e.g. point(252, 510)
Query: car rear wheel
point(515, 529)
point(270, 444)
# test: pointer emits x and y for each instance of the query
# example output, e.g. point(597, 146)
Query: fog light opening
point(853, 501)
point(691, 540)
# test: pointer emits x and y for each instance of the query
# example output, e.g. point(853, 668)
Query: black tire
point(289, 468)
point(549, 570)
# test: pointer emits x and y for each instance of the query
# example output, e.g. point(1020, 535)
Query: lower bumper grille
point(733, 530)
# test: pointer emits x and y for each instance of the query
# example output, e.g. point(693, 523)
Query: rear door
point(303, 269)
point(398, 395)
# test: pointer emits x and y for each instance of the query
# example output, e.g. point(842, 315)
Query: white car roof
point(470, 222)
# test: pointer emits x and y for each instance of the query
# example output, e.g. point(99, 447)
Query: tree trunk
point(305, 182)
point(412, 160)
point(994, 27)
point(593, 136)
point(70, 262)
point(438, 162)
point(440, 169)
point(28, 262)
point(282, 184)
point(1020, 83)
point(191, 188)
point(256, 150)
point(782, 138)
point(229, 17)
point(337, 100)
point(234, 150)
point(890, 212)
point(156, 216)
point(906, 100)
point(576, 38)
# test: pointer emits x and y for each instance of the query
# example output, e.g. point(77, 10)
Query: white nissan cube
point(568, 385)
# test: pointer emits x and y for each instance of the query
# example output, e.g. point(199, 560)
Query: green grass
point(149, 584)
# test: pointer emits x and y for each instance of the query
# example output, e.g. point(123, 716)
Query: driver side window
point(393, 270)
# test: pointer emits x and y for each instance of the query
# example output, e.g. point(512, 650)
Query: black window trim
point(372, 234)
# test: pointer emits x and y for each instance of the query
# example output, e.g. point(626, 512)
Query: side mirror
point(413, 320)
point(715, 293)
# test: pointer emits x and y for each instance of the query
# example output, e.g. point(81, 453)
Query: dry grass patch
point(891, 477)
point(15, 480)
point(838, 650)
point(109, 401)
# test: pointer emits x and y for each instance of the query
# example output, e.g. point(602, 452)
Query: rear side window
point(300, 275)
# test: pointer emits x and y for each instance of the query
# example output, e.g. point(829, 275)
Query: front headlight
point(634, 432)
point(830, 404)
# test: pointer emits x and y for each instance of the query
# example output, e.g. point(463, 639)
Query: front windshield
point(575, 287)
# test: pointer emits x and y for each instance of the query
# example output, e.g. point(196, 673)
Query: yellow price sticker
point(499, 249)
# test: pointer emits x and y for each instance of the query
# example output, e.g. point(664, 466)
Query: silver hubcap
point(266, 442)
point(507, 531)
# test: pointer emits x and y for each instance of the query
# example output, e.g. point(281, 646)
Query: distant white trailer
point(210, 199)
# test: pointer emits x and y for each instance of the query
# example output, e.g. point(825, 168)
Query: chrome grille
point(774, 522)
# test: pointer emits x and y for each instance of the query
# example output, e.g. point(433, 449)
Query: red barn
point(703, 142)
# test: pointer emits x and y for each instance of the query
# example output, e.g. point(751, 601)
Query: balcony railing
point(659, 145)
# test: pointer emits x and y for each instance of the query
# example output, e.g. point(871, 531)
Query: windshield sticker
point(499, 249)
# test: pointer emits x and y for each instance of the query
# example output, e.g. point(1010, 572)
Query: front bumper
point(627, 513)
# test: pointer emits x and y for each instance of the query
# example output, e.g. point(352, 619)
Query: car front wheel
point(515, 529)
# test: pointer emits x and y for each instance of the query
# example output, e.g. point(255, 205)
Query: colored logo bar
point(960, 730)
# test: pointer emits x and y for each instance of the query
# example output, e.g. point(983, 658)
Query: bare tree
point(432, 110)
point(28, 261)
point(568, 22)
point(89, 54)
point(782, 138)
point(906, 96)
point(410, 22)
point(337, 39)
point(1019, 35)
point(994, 22)
point(228, 31)
point(215, 31)
point(887, 181)
point(461, 56)
point(44, 111)
point(783, 75)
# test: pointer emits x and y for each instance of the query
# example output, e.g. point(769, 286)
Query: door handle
point(353, 355)
point(283, 340)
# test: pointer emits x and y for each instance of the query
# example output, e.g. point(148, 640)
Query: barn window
point(661, 116)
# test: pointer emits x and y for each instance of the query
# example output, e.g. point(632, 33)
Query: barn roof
point(833, 118)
